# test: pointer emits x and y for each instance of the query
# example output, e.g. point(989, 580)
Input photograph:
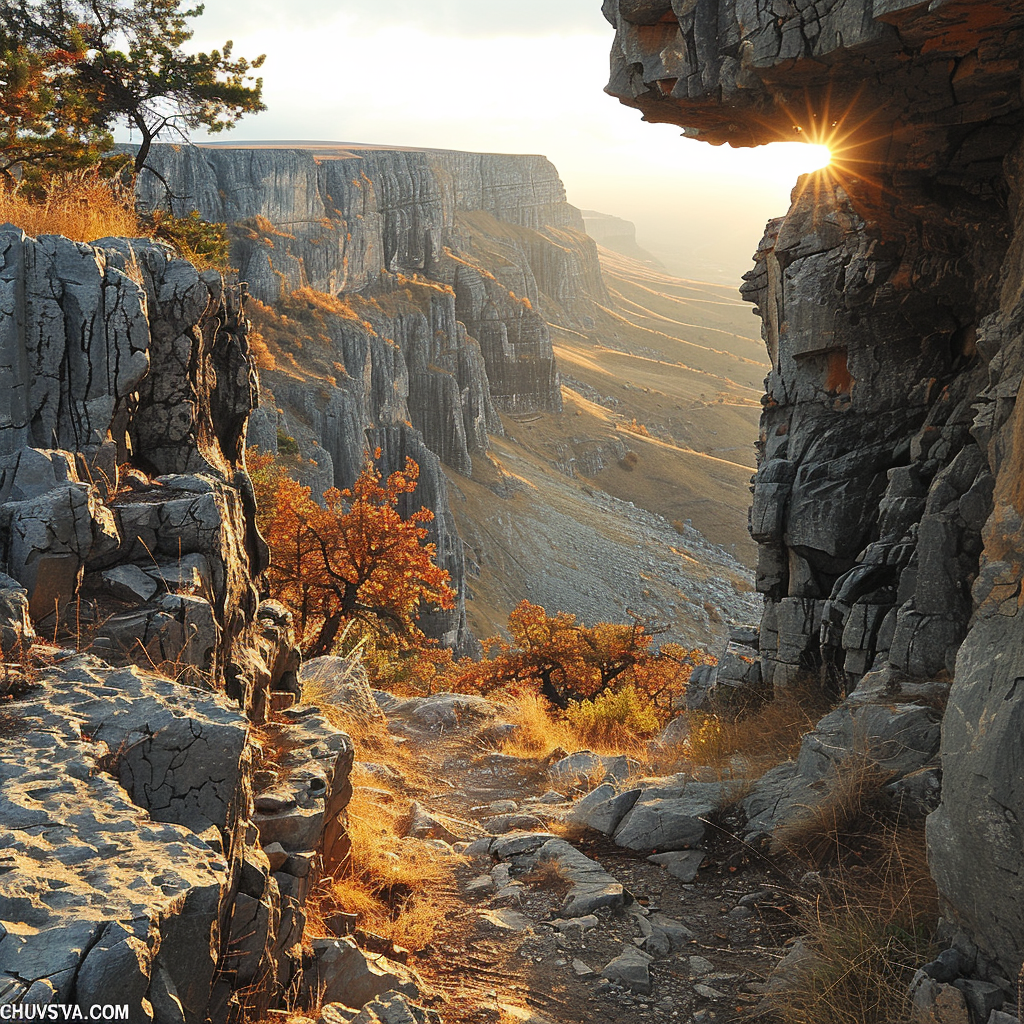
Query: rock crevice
point(887, 500)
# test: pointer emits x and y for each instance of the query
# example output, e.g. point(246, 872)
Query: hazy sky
point(513, 76)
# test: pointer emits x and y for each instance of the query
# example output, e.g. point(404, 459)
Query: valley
point(584, 424)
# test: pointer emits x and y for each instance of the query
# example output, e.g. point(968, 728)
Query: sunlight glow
point(406, 82)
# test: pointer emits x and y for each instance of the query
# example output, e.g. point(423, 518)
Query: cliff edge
point(887, 503)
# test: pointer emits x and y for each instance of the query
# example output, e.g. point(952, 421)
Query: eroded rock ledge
point(887, 502)
point(136, 802)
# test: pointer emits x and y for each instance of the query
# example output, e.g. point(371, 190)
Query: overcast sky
point(512, 76)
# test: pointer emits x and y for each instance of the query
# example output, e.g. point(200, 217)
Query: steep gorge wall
point(342, 219)
point(447, 267)
point(887, 502)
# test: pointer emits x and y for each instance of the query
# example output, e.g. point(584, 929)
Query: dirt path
point(503, 959)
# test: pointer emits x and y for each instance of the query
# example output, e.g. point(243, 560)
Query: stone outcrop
point(618, 235)
point(118, 354)
point(415, 288)
point(155, 855)
point(887, 500)
point(132, 797)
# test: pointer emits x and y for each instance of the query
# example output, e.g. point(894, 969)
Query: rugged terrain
point(450, 306)
point(887, 500)
point(170, 802)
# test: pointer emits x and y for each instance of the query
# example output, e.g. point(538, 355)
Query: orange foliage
point(353, 557)
point(566, 660)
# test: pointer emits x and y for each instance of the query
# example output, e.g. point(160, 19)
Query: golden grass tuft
point(549, 876)
point(541, 731)
point(750, 742)
point(537, 732)
point(846, 817)
point(78, 205)
point(869, 930)
point(402, 888)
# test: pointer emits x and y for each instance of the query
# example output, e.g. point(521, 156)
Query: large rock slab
point(343, 973)
point(591, 886)
point(657, 824)
point(95, 888)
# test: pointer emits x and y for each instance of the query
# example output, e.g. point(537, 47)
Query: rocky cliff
point(142, 785)
point(887, 503)
point(447, 266)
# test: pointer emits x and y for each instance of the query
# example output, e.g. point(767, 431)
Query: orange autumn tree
point(568, 661)
point(351, 558)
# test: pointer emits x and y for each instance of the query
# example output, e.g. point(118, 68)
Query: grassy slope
point(685, 361)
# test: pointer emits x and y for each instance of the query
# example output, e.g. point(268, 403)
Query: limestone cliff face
point(131, 779)
point(342, 219)
point(887, 502)
point(446, 265)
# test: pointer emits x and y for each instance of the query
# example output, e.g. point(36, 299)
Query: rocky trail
point(556, 922)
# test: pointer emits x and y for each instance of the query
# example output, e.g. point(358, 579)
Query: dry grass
point(751, 742)
point(549, 876)
point(869, 930)
point(78, 205)
point(540, 732)
point(402, 888)
point(846, 818)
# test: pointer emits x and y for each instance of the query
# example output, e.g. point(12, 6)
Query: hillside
point(630, 498)
point(449, 306)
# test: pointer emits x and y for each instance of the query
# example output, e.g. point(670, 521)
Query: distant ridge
point(618, 235)
point(339, 148)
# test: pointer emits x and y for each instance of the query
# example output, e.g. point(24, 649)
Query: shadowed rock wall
point(887, 502)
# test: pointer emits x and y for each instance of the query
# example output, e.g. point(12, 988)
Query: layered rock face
point(447, 266)
point(135, 805)
point(116, 354)
point(341, 219)
point(887, 502)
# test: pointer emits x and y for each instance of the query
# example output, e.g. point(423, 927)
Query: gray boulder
point(683, 864)
point(342, 973)
point(591, 886)
point(49, 538)
point(16, 632)
point(603, 808)
point(669, 823)
point(585, 763)
point(631, 968)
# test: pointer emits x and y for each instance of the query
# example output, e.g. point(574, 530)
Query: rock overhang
point(899, 84)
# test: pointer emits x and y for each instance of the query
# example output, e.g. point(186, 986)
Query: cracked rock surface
point(887, 503)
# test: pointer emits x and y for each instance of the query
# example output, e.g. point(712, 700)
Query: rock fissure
point(886, 502)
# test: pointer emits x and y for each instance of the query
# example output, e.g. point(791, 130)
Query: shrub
point(204, 244)
point(635, 427)
point(286, 444)
point(566, 660)
point(629, 461)
point(621, 714)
